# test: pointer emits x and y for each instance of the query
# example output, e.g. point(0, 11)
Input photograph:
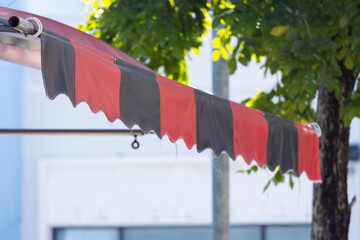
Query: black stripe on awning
point(139, 97)
point(214, 124)
point(58, 65)
point(282, 144)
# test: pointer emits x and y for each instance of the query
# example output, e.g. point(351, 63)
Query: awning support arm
point(114, 132)
point(41, 131)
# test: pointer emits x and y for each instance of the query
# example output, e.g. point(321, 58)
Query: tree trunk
point(331, 211)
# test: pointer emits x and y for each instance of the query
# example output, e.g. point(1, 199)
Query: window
point(243, 232)
point(87, 234)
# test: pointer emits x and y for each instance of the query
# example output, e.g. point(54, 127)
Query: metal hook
point(135, 144)
point(316, 128)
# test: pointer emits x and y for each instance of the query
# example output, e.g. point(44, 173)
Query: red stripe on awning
point(97, 81)
point(178, 111)
point(250, 140)
point(308, 153)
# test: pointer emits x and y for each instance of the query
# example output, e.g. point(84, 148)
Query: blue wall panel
point(11, 92)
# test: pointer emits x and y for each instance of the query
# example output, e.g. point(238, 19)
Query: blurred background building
point(97, 187)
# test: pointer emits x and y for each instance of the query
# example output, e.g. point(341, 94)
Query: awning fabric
point(89, 70)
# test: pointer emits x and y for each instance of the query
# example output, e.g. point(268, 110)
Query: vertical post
point(220, 170)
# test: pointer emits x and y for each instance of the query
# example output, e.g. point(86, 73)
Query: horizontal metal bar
point(6, 28)
point(122, 132)
point(4, 21)
point(17, 40)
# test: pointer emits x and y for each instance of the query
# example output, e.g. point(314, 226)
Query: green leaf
point(279, 178)
point(229, 47)
point(349, 64)
point(266, 186)
point(224, 53)
point(341, 54)
point(257, 58)
point(291, 181)
point(253, 168)
point(177, 51)
point(278, 31)
point(96, 5)
point(196, 51)
point(302, 105)
point(232, 65)
point(344, 20)
point(216, 42)
point(172, 3)
point(216, 55)
point(107, 3)
point(351, 108)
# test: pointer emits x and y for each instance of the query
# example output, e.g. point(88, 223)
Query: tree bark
point(331, 210)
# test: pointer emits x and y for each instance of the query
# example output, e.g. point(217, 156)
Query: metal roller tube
point(22, 25)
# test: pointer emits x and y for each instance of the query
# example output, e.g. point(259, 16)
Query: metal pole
point(220, 170)
point(23, 25)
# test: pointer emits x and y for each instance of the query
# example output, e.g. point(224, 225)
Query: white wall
point(157, 191)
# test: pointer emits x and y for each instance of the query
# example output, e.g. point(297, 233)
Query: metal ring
point(39, 26)
point(316, 128)
point(135, 144)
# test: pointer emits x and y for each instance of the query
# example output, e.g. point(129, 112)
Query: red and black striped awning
point(89, 70)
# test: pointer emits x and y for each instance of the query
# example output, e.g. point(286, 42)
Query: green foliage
point(252, 169)
point(303, 40)
point(279, 178)
point(351, 108)
point(276, 179)
point(158, 33)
